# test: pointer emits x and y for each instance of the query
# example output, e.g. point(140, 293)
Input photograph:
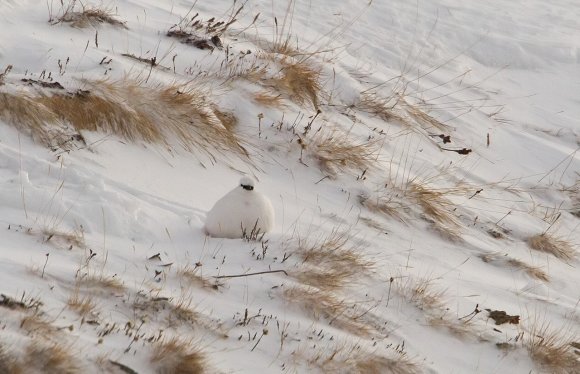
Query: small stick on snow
point(250, 274)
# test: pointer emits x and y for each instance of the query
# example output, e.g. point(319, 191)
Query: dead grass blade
point(553, 245)
point(331, 262)
point(346, 358)
point(550, 348)
point(535, 272)
point(336, 152)
point(177, 356)
point(9, 363)
point(298, 80)
point(268, 99)
point(86, 16)
point(133, 111)
point(386, 109)
point(323, 304)
point(52, 359)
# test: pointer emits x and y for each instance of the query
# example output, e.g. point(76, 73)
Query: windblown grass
point(384, 108)
point(335, 152)
point(84, 16)
point(324, 305)
point(343, 358)
point(268, 99)
point(551, 348)
point(28, 116)
point(553, 245)
point(130, 110)
point(179, 357)
point(415, 196)
point(51, 359)
point(331, 262)
point(532, 271)
point(9, 363)
point(83, 305)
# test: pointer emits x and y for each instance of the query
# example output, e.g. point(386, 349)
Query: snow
point(135, 213)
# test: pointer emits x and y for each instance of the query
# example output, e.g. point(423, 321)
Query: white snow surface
point(241, 213)
point(497, 71)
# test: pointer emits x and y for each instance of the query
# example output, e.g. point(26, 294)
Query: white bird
point(242, 211)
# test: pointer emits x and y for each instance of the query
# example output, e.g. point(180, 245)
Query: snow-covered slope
point(421, 158)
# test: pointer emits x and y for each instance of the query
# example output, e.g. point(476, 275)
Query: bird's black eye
point(247, 187)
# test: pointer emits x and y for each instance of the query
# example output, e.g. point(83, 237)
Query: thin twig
point(249, 274)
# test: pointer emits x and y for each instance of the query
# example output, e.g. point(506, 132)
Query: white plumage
point(241, 210)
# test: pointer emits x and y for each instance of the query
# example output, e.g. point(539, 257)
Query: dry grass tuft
point(434, 204)
point(335, 152)
point(386, 205)
point(101, 282)
point(178, 357)
point(343, 358)
point(82, 305)
point(51, 359)
point(28, 116)
point(67, 240)
point(268, 99)
point(86, 16)
point(437, 209)
point(331, 262)
point(10, 364)
point(193, 278)
point(553, 245)
point(323, 304)
point(379, 364)
point(36, 325)
point(533, 271)
point(551, 349)
point(228, 119)
point(422, 294)
point(133, 111)
point(426, 121)
point(299, 81)
point(384, 108)
point(172, 313)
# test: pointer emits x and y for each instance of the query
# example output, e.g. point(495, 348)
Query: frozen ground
point(102, 252)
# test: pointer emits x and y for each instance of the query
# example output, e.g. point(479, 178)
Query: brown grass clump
point(192, 277)
point(387, 205)
point(178, 357)
point(343, 358)
point(421, 293)
point(551, 349)
point(331, 262)
point(532, 271)
point(9, 363)
point(323, 304)
point(153, 114)
point(379, 364)
point(268, 99)
point(336, 152)
point(63, 239)
point(51, 359)
point(173, 313)
point(101, 282)
point(37, 325)
point(24, 113)
point(553, 245)
point(384, 108)
point(436, 208)
point(298, 80)
point(86, 16)
point(426, 121)
point(82, 305)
